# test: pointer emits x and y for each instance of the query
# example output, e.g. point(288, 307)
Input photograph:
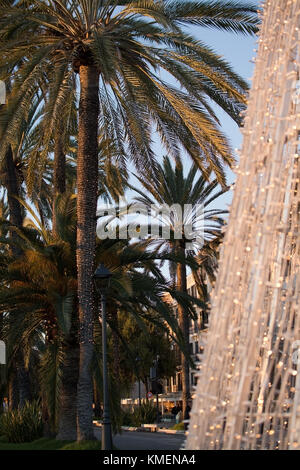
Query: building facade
point(198, 328)
point(172, 387)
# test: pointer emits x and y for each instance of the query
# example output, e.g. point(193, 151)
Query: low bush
point(145, 414)
point(178, 427)
point(22, 425)
point(127, 418)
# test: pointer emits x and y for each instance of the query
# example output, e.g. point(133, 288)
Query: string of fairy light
point(248, 390)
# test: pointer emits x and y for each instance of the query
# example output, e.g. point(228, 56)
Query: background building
point(172, 387)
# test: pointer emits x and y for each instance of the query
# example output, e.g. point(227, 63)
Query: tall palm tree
point(38, 289)
point(171, 187)
point(118, 48)
point(12, 178)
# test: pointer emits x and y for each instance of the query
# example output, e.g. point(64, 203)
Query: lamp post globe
point(102, 278)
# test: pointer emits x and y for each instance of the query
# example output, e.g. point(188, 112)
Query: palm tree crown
point(170, 186)
point(129, 43)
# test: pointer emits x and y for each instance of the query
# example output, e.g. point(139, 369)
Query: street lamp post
point(140, 393)
point(101, 280)
point(155, 385)
point(157, 391)
point(138, 362)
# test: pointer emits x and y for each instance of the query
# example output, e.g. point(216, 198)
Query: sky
point(238, 50)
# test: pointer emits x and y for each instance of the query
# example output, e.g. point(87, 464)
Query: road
point(129, 440)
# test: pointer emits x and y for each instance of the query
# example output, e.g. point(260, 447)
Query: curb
point(98, 424)
point(130, 428)
point(171, 431)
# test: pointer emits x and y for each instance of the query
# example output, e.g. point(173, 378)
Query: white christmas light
point(253, 401)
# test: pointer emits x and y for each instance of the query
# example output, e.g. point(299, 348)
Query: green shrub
point(127, 418)
point(145, 414)
point(178, 427)
point(22, 425)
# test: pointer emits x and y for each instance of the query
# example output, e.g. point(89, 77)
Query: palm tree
point(118, 49)
point(141, 347)
point(12, 178)
point(39, 290)
point(171, 187)
point(137, 285)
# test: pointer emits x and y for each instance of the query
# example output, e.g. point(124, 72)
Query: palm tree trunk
point(23, 380)
point(87, 182)
point(16, 218)
point(47, 428)
point(59, 172)
point(13, 390)
point(184, 327)
point(112, 315)
point(97, 401)
point(67, 427)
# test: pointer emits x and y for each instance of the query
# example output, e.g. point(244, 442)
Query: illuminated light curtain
point(248, 390)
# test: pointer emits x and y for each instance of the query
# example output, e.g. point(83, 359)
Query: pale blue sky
point(238, 50)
